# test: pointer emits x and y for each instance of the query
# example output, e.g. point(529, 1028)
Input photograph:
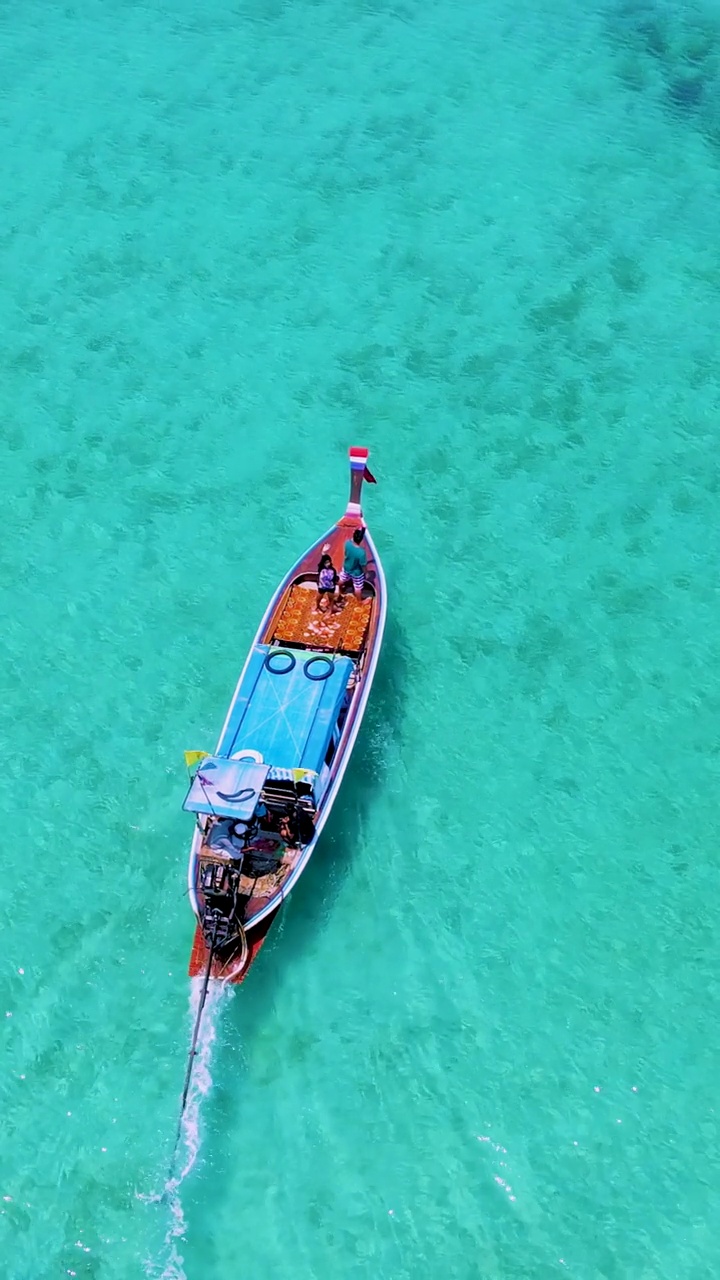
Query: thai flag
point(358, 459)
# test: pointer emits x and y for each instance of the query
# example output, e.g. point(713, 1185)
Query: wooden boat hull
point(292, 622)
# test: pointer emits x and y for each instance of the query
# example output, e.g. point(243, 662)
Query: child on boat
point(327, 581)
point(297, 828)
point(287, 831)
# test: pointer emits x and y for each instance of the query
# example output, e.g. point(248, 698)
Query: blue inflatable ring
point(271, 657)
point(326, 670)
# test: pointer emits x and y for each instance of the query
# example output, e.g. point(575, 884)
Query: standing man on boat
point(355, 562)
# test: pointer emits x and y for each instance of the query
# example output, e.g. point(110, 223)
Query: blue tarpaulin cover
point(286, 715)
point(227, 787)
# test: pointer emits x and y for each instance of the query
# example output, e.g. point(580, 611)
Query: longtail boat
point(262, 800)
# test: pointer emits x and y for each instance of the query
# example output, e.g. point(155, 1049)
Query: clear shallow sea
point(235, 238)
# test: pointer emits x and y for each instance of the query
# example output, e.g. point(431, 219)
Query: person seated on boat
point(354, 563)
point(327, 583)
point(239, 835)
point(243, 831)
point(287, 831)
point(225, 837)
point(298, 827)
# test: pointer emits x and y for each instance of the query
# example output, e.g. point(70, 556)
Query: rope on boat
point(236, 966)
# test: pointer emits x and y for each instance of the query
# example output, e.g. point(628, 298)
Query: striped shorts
point(357, 579)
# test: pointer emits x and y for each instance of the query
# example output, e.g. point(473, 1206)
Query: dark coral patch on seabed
point(674, 53)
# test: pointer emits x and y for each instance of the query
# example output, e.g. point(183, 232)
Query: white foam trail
point(190, 1132)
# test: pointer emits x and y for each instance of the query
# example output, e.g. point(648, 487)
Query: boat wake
point(169, 1264)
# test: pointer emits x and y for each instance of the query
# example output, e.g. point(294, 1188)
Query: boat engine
point(221, 920)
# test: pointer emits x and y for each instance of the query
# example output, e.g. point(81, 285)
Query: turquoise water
point(236, 238)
